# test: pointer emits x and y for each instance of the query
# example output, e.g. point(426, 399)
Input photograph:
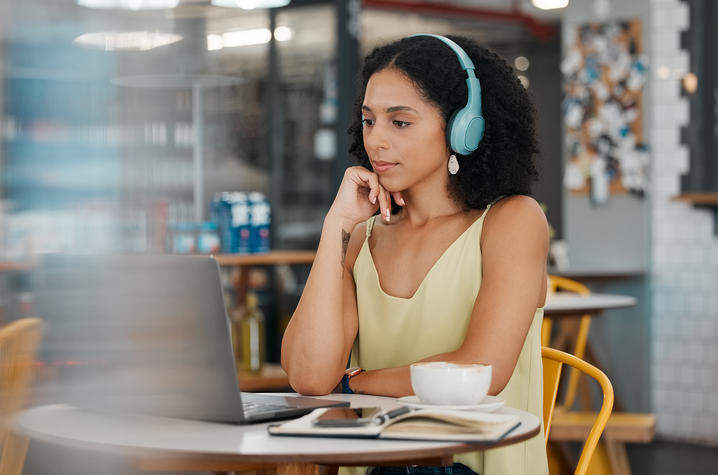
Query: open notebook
point(416, 424)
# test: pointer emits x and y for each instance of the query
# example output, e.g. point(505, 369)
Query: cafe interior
point(158, 128)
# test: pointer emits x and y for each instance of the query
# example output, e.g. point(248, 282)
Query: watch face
point(353, 371)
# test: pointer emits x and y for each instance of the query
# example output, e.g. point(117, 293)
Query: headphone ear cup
point(455, 142)
point(474, 132)
point(465, 131)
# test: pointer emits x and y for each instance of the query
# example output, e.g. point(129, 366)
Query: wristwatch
point(349, 373)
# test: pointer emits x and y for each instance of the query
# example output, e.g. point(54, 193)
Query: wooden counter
point(271, 378)
point(269, 258)
point(225, 260)
point(13, 266)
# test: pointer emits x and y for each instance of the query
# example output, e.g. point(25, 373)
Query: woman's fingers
point(368, 179)
point(363, 178)
point(384, 204)
point(379, 195)
point(373, 194)
point(367, 184)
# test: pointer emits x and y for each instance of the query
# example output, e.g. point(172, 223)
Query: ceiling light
point(257, 36)
point(129, 4)
point(283, 33)
point(250, 4)
point(690, 83)
point(521, 63)
point(214, 42)
point(662, 72)
point(126, 40)
point(550, 4)
point(246, 37)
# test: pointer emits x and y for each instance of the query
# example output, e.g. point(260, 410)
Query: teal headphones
point(466, 125)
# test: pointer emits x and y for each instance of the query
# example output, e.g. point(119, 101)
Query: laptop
point(147, 334)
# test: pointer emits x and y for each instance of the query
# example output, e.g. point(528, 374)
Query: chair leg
point(13, 455)
point(618, 458)
point(600, 462)
point(557, 462)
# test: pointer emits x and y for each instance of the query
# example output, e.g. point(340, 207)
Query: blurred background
point(219, 127)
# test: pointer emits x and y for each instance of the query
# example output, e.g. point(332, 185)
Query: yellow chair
point(18, 344)
point(553, 361)
point(580, 338)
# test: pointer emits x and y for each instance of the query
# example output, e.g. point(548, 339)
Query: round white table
point(157, 443)
point(564, 304)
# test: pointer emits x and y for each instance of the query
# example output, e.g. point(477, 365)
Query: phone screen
point(347, 416)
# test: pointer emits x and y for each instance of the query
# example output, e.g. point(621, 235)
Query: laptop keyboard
point(260, 407)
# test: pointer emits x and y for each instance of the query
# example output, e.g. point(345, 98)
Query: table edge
point(143, 454)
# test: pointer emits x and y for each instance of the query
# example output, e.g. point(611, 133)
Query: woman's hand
point(360, 195)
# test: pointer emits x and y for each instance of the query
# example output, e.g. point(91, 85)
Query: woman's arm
point(318, 339)
point(514, 245)
point(319, 336)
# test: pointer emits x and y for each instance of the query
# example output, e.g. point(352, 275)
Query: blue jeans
point(456, 469)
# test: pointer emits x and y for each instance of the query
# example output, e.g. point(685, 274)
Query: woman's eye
point(400, 123)
point(367, 122)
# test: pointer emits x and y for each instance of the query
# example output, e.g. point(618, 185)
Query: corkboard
point(605, 70)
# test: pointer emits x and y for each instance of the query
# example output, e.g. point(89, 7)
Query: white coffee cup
point(447, 383)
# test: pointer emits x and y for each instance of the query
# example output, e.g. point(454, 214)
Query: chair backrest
point(553, 361)
point(563, 284)
point(557, 283)
point(18, 345)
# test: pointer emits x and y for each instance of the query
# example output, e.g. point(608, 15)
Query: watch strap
point(349, 373)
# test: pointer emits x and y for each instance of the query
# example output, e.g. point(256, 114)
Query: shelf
point(16, 266)
point(702, 199)
point(578, 273)
point(271, 378)
point(269, 258)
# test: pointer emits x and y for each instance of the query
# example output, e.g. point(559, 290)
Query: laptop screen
point(139, 333)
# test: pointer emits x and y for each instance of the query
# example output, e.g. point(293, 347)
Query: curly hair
point(504, 162)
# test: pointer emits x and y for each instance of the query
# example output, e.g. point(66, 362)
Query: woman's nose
point(375, 138)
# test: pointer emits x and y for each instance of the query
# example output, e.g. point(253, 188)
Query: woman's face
point(404, 135)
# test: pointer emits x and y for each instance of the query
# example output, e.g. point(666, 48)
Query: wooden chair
point(579, 336)
point(610, 456)
point(553, 361)
point(570, 426)
point(18, 344)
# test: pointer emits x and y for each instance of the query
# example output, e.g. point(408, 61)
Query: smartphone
point(347, 417)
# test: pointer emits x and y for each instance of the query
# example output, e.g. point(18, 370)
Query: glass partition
point(118, 126)
point(126, 129)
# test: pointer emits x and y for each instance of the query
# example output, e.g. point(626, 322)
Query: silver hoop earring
point(453, 165)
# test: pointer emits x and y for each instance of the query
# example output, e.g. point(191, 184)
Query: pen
point(387, 416)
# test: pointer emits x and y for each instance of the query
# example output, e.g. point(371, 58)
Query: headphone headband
point(463, 58)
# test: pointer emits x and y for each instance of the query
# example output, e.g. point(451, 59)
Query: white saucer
point(488, 404)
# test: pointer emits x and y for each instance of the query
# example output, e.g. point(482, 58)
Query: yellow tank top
point(396, 331)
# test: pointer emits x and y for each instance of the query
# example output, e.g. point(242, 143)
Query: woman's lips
point(380, 167)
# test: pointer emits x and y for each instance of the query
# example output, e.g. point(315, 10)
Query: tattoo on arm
point(345, 246)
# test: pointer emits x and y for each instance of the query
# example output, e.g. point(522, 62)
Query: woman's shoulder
point(526, 205)
point(515, 214)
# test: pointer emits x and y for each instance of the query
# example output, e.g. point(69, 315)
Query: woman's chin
point(390, 185)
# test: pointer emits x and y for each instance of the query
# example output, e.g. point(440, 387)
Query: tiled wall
point(684, 249)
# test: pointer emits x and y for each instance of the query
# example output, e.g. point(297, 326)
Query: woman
point(453, 268)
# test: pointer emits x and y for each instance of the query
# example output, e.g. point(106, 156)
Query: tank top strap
point(488, 206)
point(370, 225)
